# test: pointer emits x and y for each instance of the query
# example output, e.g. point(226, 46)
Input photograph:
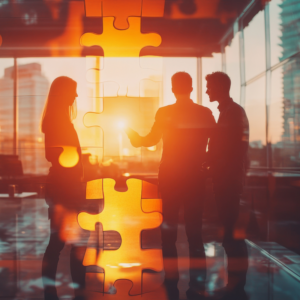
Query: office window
point(256, 113)
point(275, 31)
point(233, 67)
point(284, 112)
point(254, 33)
point(288, 27)
point(209, 65)
point(6, 107)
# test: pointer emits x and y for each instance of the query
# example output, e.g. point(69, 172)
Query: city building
point(32, 92)
point(290, 25)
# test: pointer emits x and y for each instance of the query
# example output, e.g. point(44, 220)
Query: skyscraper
point(290, 26)
point(32, 91)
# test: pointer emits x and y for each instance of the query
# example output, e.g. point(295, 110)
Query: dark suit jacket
point(228, 146)
point(184, 128)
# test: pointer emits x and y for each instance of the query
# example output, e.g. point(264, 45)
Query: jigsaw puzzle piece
point(69, 157)
point(117, 114)
point(94, 189)
point(123, 213)
point(152, 281)
point(149, 88)
point(130, 79)
point(121, 9)
point(121, 43)
point(94, 282)
point(152, 62)
point(121, 291)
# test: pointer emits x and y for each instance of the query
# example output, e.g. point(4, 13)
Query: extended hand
point(134, 137)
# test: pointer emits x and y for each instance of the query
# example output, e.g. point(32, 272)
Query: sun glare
point(121, 124)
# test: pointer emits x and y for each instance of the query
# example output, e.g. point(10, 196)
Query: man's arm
point(151, 139)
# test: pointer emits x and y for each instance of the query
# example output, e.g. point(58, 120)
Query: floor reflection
point(272, 273)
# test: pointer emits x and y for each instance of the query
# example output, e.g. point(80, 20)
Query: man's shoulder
point(235, 107)
point(202, 108)
point(174, 107)
point(237, 113)
point(201, 111)
point(164, 110)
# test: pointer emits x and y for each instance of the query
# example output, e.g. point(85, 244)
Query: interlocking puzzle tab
point(120, 112)
point(121, 43)
point(121, 9)
point(122, 293)
point(69, 157)
point(128, 77)
point(123, 212)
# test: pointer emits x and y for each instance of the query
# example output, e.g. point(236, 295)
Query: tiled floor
point(273, 270)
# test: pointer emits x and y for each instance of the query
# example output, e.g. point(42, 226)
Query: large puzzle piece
point(121, 43)
point(130, 79)
point(121, 9)
point(128, 213)
point(120, 112)
point(122, 293)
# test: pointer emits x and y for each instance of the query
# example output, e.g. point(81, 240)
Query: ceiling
point(191, 28)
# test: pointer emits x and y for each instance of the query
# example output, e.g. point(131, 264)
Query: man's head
point(182, 85)
point(217, 86)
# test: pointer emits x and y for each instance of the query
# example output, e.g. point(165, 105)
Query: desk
point(17, 196)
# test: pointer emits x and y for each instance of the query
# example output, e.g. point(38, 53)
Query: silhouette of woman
point(65, 193)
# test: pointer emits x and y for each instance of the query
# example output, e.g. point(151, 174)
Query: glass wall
point(271, 59)
point(256, 112)
point(101, 150)
point(232, 55)
point(254, 44)
point(209, 65)
point(6, 112)
point(268, 54)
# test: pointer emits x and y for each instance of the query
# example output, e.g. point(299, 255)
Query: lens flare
point(121, 124)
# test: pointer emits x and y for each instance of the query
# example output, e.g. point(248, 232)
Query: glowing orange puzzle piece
point(123, 212)
point(69, 157)
point(121, 9)
point(122, 293)
point(126, 77)
point(121, 43)
point(118, 113)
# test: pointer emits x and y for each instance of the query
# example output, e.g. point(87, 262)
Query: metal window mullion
point(199, 80)
point(242, 67)
point(15, 108)
point(268, 78)
point(223, 58)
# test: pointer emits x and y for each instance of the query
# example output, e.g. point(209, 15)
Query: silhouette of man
point(184, 128)
point(227, 157)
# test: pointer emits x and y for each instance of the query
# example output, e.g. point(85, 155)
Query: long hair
point(57, 110)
